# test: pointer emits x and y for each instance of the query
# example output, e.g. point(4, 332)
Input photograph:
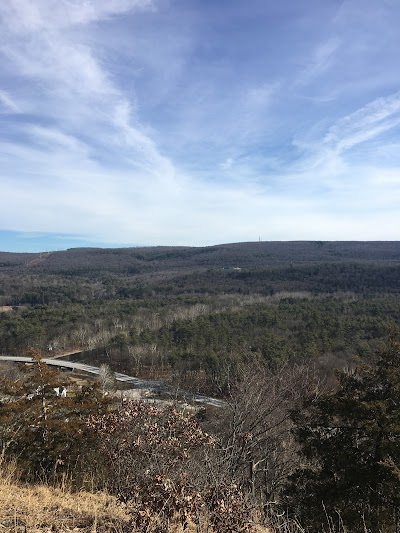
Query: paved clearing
point(130, 380)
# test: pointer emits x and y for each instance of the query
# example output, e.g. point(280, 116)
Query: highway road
point(130, 380)
point(136, 382)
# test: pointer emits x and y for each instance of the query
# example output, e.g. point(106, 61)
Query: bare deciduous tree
point(155, 458)
point(107, 378)
point(257, 447)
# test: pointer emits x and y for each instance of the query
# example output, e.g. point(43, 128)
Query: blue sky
point(196, 122)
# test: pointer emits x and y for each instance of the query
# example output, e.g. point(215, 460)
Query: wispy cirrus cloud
point(7, 104)
point(368, 122)
point(147, 122)
point(22, 16)
point(321, 60)
point(73, 88)
point(332, 149)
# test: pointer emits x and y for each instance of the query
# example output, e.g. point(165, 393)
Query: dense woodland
point(264, 326)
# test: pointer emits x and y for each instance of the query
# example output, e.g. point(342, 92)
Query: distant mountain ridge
point(235, 255)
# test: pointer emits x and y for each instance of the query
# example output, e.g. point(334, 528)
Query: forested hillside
point(263, 326)
point(172, 310)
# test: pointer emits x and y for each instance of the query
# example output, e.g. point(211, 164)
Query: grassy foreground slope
point(44, 509)
point(34, 508)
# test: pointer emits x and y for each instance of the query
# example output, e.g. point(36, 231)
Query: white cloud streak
point(322, 59)
point(22, 16)
point(7, 104)
point(366, 123)
point(76, 88)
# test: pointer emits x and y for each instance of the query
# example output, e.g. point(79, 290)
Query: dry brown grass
point(45, 509)
point(42, 508)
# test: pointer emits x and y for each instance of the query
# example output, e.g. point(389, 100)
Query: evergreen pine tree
point(350, 442)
